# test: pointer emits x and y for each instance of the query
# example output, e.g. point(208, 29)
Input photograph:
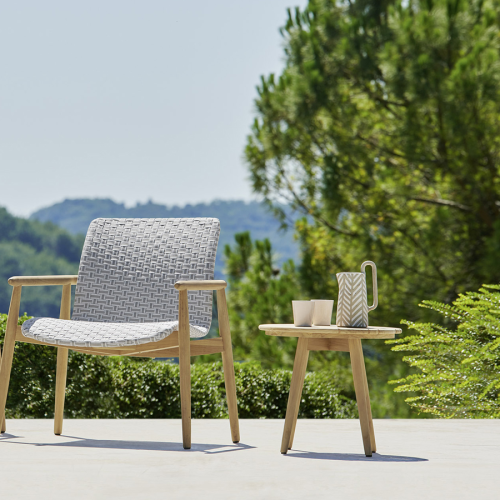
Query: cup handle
point(375, 288)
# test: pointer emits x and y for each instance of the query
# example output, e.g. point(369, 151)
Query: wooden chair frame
point(178, 344)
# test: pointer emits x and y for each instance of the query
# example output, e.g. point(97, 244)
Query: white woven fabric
point(92, 334)
point(125, 291)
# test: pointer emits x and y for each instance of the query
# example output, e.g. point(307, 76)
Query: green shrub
point(120, 387)
point(264, 394)
point(458, 369)
point(32, 382)
point(150, 389)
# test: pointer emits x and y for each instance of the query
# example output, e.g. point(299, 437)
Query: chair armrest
point(42, 280)
point(200, 285)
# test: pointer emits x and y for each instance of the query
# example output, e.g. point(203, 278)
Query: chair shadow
point(4, 436)
point(352, 457)
point(140, 445)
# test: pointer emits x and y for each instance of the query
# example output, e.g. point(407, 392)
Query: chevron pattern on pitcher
point(352, 305)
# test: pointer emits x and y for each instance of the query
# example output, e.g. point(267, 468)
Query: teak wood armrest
point(43, 280)
point(200, 285)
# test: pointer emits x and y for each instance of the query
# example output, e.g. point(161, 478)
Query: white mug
point(303, 311)
point(322, 312)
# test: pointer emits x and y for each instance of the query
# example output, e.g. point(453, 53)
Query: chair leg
point(61, 371)
point(228, 365)
point(362, 396)
point(185, 368)
point(8, 349)
point(3, 426)
point(62, 364)
point(292, 409)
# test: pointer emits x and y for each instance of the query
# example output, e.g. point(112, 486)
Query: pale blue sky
point(131, 99)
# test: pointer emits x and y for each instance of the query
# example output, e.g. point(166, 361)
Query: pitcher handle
point(374, 276)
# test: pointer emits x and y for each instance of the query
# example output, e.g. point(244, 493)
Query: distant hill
point(235, 216)
point(50, 242)
point(29, 247)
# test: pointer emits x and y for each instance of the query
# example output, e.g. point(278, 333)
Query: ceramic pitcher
point(352, 305)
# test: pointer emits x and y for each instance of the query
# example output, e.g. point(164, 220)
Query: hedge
point(120, 387)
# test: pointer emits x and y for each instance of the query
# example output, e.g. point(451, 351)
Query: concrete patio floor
point(144, 459)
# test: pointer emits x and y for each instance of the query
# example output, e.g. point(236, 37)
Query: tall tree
point(384, 129)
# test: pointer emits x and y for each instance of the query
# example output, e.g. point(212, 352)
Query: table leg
point(292, 435)
point(362, 396)
point(292, 410)
point(370, 419)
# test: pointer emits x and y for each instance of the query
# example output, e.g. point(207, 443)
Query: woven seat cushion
point(95, 334)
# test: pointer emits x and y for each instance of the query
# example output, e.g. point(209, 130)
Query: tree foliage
point(458, 369)
point(34, 248)
point(259, 293)
point(383, 128)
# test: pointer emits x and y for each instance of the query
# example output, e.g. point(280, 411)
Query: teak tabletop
point(332, 331)
point(330, 338)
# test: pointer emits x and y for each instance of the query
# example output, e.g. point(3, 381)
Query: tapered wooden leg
point(362, 396)
point(3, 426)
point(185, 368)
point(370, 419)
point(62, 364)
point(292, 409)
point(8, 348)
point(228, 364)
point(292, 435)
point(61, 371)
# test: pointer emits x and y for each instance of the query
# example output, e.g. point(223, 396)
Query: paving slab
point(144, 459)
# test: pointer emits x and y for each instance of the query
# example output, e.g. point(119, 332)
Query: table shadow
point(116, 444)
point(352, 457)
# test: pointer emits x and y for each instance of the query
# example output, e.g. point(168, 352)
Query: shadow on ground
point(78, 442)
point(352, 457)
point(134, 445)
point(4, 436)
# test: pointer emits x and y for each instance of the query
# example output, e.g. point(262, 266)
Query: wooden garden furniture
point(144, 288)
point(330, 338)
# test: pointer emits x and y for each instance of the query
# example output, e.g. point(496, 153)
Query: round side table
point(330, 338)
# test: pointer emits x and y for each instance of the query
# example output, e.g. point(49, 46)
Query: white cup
point(322, 312)
point(303, 311)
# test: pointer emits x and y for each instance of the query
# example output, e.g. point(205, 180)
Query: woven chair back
point(129, 266)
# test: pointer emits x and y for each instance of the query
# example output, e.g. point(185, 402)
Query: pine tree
point(383, 129)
